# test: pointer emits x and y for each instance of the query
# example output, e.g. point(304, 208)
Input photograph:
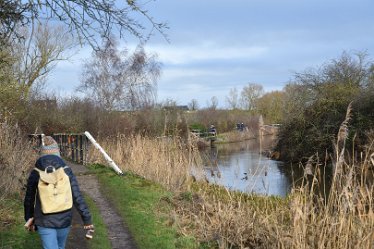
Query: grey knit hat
point(49, 147)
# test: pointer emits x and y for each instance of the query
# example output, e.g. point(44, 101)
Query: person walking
point(53, 226)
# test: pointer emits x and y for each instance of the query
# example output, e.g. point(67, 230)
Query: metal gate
point(73, 146)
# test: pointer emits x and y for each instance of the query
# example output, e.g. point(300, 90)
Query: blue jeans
point(53, 238)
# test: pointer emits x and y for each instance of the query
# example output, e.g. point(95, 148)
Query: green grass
point(100, 240)
point(14, 236)
point(12, 233)
point(138, 201)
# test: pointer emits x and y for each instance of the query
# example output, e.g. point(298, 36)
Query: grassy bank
point(140, 202)
point(12, 232)
point(101, 240)
point(14, 236)
point(166, 208)
point(145, 206)
point(218, 218)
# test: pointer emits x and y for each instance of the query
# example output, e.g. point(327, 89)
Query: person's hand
point(30, 225)
point(90, 231)
point(31, 228)
point(91, 226)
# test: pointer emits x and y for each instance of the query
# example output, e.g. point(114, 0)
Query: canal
point(242, 166)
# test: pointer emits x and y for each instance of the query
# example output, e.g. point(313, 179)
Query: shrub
point(16, 159)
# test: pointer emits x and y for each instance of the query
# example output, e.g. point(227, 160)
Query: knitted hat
point(50, 147)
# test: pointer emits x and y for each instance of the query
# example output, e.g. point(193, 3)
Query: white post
point(42, 138)
point(107, 158)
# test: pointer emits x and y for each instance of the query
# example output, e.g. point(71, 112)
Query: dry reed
point(165, 160)
point(307, 218)
point(16, 158)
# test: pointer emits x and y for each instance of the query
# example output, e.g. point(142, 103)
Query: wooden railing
point(73, 146)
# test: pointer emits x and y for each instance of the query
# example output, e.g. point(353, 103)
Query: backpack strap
point(65, 167)
point(38, 170)
point(45, 170)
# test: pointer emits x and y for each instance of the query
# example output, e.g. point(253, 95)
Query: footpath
point(118, 233)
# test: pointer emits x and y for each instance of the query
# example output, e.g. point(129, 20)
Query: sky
point(218, 45)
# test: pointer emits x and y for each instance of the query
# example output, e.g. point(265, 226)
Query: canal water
point(242, 166)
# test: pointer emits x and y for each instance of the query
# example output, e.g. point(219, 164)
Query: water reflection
point(241, 166)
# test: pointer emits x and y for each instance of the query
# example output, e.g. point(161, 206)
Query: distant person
point(45, 216)
point(212, 130)
point(240, 126)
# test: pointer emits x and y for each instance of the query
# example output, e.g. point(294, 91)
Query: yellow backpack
point(54, 190)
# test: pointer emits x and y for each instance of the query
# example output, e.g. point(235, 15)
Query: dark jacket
point(32, 205)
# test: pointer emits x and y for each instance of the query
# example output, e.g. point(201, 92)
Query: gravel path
point(118, 232)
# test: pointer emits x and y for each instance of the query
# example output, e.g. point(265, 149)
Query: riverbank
point(210, 217)
point(165, 208)
point(218, 218)
point(136, 199)
point(223, 138)
point(247, 134)
point(14, 236)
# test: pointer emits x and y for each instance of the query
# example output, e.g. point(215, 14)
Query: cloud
point(227, 44)
point(206, 51)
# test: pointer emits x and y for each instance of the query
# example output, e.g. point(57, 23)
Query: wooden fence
point(73, 146)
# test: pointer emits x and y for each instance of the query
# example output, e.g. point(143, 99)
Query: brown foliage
point(16, 158)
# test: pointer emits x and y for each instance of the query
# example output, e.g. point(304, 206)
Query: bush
point(316, 104)
point(16, 158)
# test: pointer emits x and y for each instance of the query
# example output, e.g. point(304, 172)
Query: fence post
point(107, 158)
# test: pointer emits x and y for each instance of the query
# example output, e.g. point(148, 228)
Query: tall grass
point(167, 161)
point(309, 217)
point(16, 158)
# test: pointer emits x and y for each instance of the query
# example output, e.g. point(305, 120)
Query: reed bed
point(167, 161)
point(237, 136)
point(309, 217)
point(16, 159)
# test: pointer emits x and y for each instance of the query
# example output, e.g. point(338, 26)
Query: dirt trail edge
point(118, 233)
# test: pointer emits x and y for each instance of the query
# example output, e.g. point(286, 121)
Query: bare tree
point(169, 103)
point(37, 54)
point(213, 103)
point(11, 14)
point(193, 105)
point(233, 98)
point(118, 80)
point(88, 19)
point(143, 73)
point(250, 94)
point(26, 62)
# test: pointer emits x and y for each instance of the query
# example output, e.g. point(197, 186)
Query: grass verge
point(14, 236)
point(139, 202)
point(100, 240)
point(12, 233)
